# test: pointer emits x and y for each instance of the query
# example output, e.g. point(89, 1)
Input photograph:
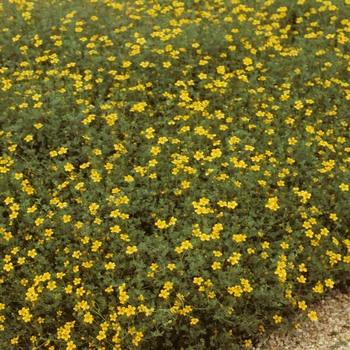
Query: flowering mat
point(173, 174)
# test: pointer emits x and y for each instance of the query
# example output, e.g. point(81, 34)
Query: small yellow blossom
point(313, 316)
point(164, 294)
point(277, 318)
point(131, 250)
point(302, 305)
point(301, 279)
point(68, 167)
point(88, 318)
point(171, 266)
point(272, 204)
point(28, 138)
point(110, 266)
point(216, 265)
point(344, 187)
point(329, 283)
point(32, 253)
point(334, 217)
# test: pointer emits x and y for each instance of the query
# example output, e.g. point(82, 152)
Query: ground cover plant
point(173, 174)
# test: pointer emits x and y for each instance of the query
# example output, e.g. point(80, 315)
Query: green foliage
point(173, 175)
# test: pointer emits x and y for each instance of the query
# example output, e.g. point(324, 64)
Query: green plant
point(172, 175)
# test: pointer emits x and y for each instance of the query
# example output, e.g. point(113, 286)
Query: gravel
point(330, 332)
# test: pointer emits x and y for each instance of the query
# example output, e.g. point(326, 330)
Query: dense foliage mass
point(173, 174)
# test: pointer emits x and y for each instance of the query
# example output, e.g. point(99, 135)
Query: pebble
point(331, 331)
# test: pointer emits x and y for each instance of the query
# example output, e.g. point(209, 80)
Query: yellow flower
point(32, 253)
point(172, 221)
point(198, 280)
point(80, 291)
point(186, 245)
point(302, 305)
point(265, 245)
point(204, 237)
point(235, 290)
point(8, 236)
point(95, 246)
point(115, 228)
point(284, 245)
point(179, 250)
point(298, 105)
point(164, 294)
point(333, 217)
point(247, 288)
point(194, 320)
point(28, 138)
point(313, 316)
point(68, 167)
point(277, 318)
point(154, 267)
point(27, 317)
point(66, 218)
point(272, 204)
point(101, 335)
point(131, 250)
point(318, 288)
point(216, 153)
point(130, 310)
point(70, 346)
point(12, 148)
point(301, 279)
point(288, 294)
point(248, 343)
point(171, 266)
point(168, 285)
point(329, 283)
point(292, 141)
point(15, 38)
point(32, 209)
point(302, 268)
point(232, 204)
point(14, 340)
point(60, 275)
point(234, 258)
point(123, 297)
point(216, 265)
point(161, 224)
point(126, 64)
point(51, 285)
point(109, 166)
point(8, 267)
point(110, 266)
point(38, 221)
point(128, 178)
point(264, 255)
point(239, 238)
point(344, 187)
point(138, 107)
point(88, 318)
point(247, 61)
